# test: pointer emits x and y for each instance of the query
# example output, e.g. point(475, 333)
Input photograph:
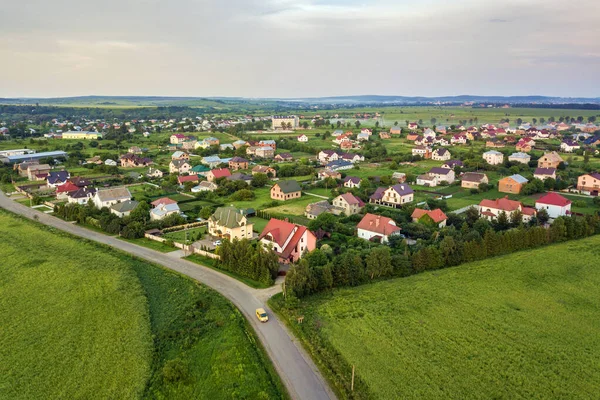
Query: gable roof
point(163, 200)
point(353, 179)
point(503, 203)
point(67, 187)
point(57, 176)
point(402, 189)
point(440, 171)
point(352, 199)
point(376, 223)
point(545, 171)
point(82, 193)
point(554, 199)
point(229, 217)
point(188, 178)
point(221, 173)
point(436, 215)
point(289, 186)
point(114, 194)
point(472, 177)
point(280, 231)
point(518, 178)
point(179, 163)
point(237, 159)
point(125, 206)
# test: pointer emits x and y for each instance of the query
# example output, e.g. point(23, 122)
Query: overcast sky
point(282, 48)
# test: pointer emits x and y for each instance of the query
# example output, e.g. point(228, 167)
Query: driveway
point(296, 369)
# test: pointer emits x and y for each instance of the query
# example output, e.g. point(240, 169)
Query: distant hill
point(140, 101)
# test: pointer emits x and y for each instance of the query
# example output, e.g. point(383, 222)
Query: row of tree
point(250, 260)
point(327, 268)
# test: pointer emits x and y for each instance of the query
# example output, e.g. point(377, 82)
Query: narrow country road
point(297, 371)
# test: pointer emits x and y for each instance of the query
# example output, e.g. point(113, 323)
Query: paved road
point(296, 369)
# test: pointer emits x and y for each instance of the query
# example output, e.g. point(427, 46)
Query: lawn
point(111, 326)
point(519, 326)
point(189, 234)
point(259, 224)
point(212, 263)
point(151, 244)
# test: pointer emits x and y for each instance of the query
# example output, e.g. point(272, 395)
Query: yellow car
point(261, 314)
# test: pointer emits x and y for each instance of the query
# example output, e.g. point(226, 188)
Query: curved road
point(297, 371)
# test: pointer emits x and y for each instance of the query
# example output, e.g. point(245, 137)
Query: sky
point(304, 48)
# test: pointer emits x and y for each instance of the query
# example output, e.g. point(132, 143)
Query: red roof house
point(215, 174)
point(289, 241)
point(163, 200)
point(437, 216)
point(377, 227)
point(187, 178)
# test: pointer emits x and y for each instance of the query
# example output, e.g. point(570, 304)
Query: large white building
point(555, 204)
point(290, 121)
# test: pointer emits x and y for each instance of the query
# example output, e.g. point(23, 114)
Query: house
point(289, 241)
point(286, 190)
point(525, 145)
point(422, 151)
point(263, 169)
point(384, 135)
point(77, 135)
point(36, 172)
point(512, 184)
point(135, 150)
point(230, 223)
point(545, 173)
point(199, 170)
point(490, 209)
point(180, 155)
point(520, 157)
point(94, 160)
point(302, 138)
point(81, 196)
point(399, 177)
point(429, 133)
point(377, 227)
point(351, 157)
point(177, 138)
point(472, 180)
point(326, 156)
point(413, 126)
point(363, 137)
point(452, 164)
point(328, 173)
point(239, 176)
point(265, 152)
point(164, 209)
point(349, 203)
point(108, 197)
point(550, 160)
point(411, 137)
point(63, 191)
point(441, 129)
point(427, 180)
point(347, 145)
point(395, 130)
point(130, 160)
point(569, 146)
point(238, 163)
point(182, 180)
point(124, 208)
point(351, 182)
point(57, 178)
point(313, 210)
point(458, 139)
point(494, 143)
point(109, 162)
point(179, 167)
point(589, 184)
point(555, 204)
point(339, 165)
point(213, 161)
point(215, 174)
point(436, 217)
point(239, 143)
point(394, 196)
point(205, 186)
point(493, 157)
point(268, 143)
point(154, 173)
point(367, 131)
point(344, 137)
point(443, 174)
point(440, 154)
point(284, 157)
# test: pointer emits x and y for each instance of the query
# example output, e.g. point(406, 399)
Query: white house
point(303, 138)
point(373, 227)
point(440, 154)
point(108, 197)
point(555, 204)
point(493, 157)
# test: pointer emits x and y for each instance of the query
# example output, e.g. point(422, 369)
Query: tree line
point(250, 260)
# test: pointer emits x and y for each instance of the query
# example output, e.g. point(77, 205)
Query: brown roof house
point(550, 160)
point(472, 180)
point(286, 190)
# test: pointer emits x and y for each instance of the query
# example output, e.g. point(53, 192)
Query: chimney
point(377, 220)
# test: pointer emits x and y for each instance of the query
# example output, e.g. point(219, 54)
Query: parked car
point(217, 243)
point(261, 314)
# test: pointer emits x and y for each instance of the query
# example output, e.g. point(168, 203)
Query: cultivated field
point(519, 326)
point(81, 321)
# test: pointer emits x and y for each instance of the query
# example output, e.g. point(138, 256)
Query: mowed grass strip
point(520, 326)
point(74, 318)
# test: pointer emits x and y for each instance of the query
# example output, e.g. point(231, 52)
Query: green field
point(80, 320)
point(519, 326)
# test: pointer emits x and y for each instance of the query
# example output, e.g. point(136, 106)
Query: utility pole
point(352, 384)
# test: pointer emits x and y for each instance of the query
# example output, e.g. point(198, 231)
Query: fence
point(188, 249)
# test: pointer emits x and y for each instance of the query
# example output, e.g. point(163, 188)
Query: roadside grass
point(150, 244)
point(116, 327)
point(212, 264)
point(522, 325)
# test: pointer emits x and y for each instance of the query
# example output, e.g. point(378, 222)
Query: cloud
point(285, 48)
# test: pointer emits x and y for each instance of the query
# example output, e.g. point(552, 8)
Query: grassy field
point(82, 321)
point(180, 236)
point(518, 326)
